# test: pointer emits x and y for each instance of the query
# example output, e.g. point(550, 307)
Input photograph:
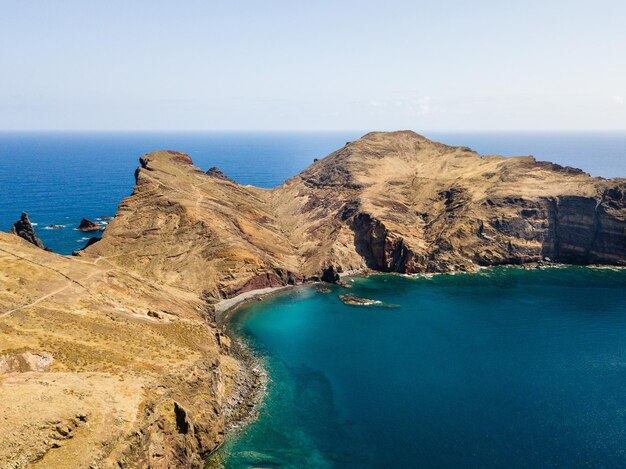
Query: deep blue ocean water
point(506, 368)
point(59, 178)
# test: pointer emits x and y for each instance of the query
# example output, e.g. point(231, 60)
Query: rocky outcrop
point(88, 225)
point(403, 203)
point(24, 229)
point(217, 173)
point(353, 300)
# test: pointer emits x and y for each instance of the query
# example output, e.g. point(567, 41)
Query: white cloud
point(619, 100)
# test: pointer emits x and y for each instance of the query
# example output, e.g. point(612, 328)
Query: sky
point(312, 65)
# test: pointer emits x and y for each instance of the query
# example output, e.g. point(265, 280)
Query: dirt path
point(38, 300)
point(69, 282)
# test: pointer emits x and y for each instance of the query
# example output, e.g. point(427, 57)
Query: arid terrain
point(113, 357)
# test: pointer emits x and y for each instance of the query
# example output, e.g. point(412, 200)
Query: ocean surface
point(59, 178)
point(505, 368)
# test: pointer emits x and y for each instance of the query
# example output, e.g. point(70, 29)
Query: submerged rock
point(24, 229)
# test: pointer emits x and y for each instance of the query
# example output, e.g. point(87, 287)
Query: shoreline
point(251, 382)
point(226, 306)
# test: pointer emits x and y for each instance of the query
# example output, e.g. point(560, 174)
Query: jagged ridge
point(394, 202)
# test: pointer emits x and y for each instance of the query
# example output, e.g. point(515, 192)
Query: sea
point(503, 368)
point(506, 368)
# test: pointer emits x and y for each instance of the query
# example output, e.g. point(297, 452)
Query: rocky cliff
point(114, 358)
point(403, 203)
point(393, 202)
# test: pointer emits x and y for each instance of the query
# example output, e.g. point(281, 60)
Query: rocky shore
point(249, 387)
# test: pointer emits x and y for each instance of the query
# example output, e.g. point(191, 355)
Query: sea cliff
point(122, 339)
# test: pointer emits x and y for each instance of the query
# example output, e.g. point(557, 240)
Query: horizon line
point(304, 130)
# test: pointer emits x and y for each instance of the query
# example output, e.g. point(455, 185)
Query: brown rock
point(88, 225)
point(354, 300)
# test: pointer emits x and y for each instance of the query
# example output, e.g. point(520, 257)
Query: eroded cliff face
point(393, 202)
point(410, 205)
point(200, 233)
point(113, 357)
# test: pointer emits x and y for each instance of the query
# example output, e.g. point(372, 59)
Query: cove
point(504, 368)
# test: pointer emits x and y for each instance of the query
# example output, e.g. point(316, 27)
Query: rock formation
point(88, 225)
point(398, 202)
point(90, 241)
point(122, 342)
point(25, 230)
point(392, 202)
point(217, 173)
point(358, 301)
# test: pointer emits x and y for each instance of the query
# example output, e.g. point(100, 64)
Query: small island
point(88, 225)
point(357, 301)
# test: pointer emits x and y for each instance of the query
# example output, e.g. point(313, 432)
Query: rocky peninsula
point(114, 358)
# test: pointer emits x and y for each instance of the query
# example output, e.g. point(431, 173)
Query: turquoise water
point(59, 178)
point(506, 368)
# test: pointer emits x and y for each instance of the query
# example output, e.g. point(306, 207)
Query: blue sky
point(322, 65)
